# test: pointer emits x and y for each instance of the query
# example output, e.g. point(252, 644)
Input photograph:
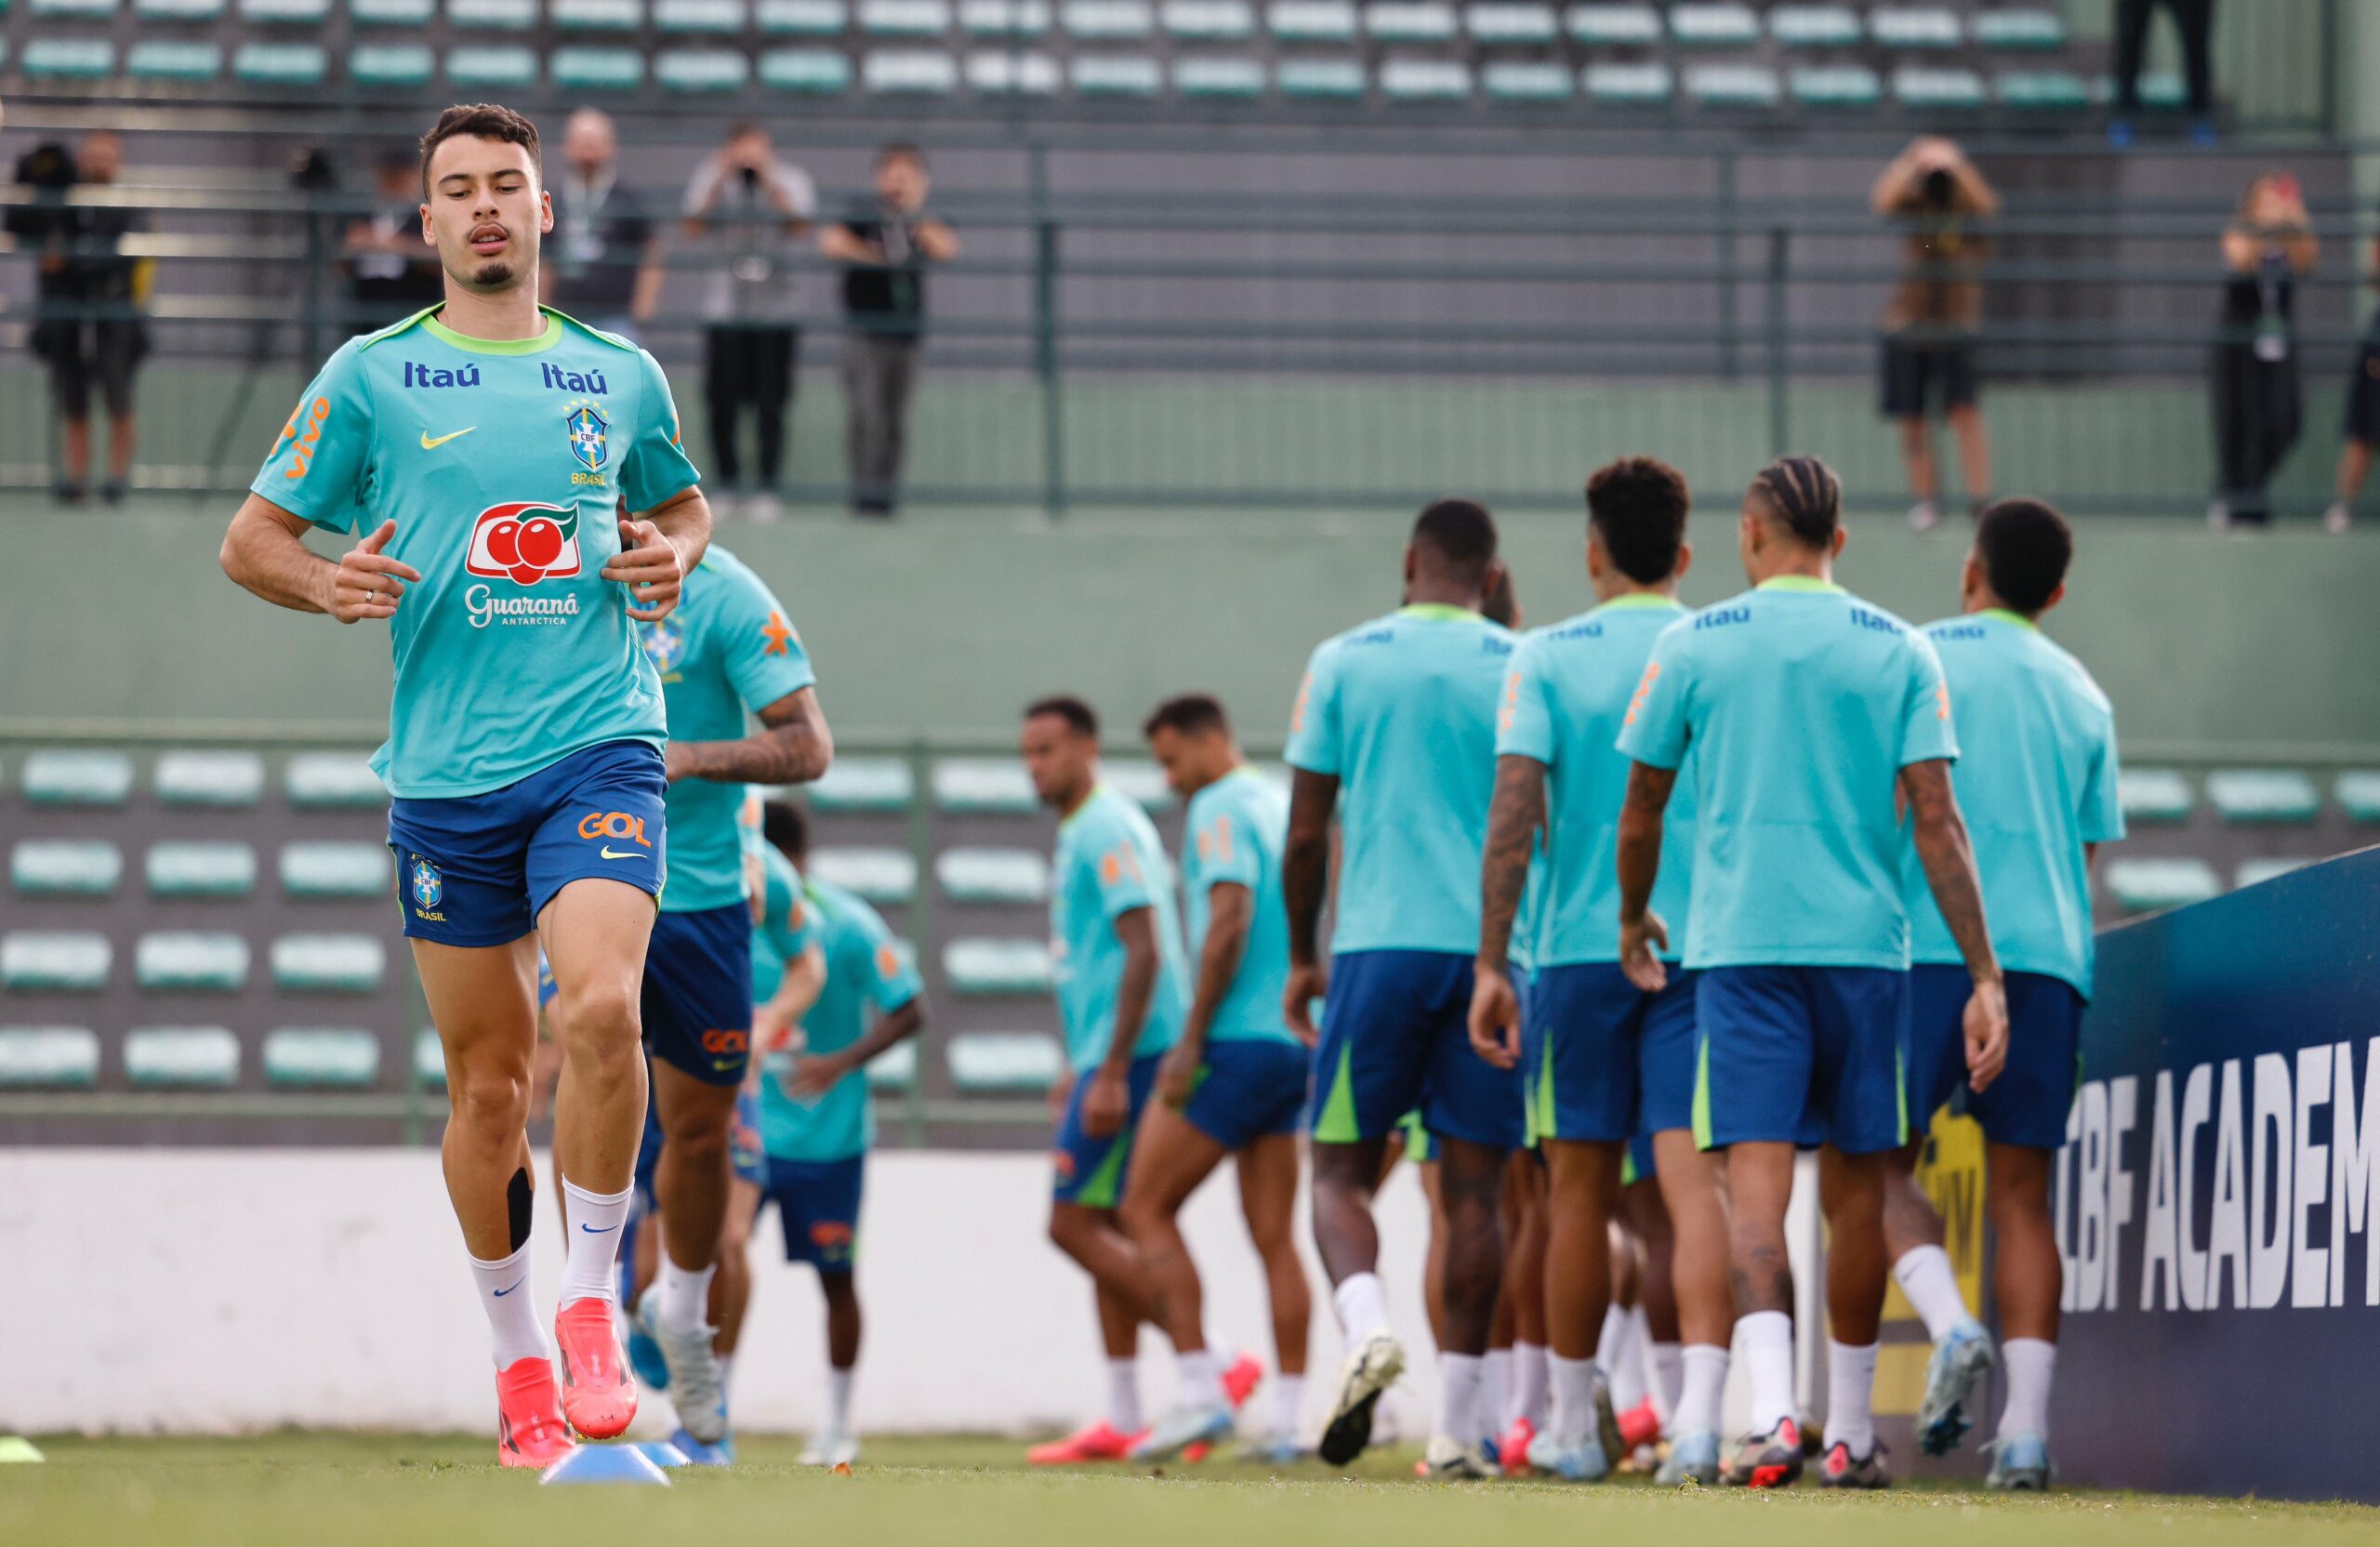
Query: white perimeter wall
point(213, 1290)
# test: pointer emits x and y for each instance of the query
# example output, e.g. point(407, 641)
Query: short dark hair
point(1189, 714)
point(2025, 545)
point(1461, 533)
point(900, 150)
point(1080, 716)
point(479, 121)
point(1806, 496)
point(1637, 505)
point(786, 828)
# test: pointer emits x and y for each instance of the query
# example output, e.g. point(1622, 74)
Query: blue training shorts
point(818, 1206)
point(1588, 1041)
point(1802, 1055)
point(1250, 1088)
point(1090, 1171)
point(1396, 1038)
point(697, 1000)
point(478, 869)
point(2028, 1104)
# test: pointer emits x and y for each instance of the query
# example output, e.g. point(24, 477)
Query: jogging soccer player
point(1394, 730)
point(469, 451)
point(1810, 715)
point(1604, 1058)
point(1232, 1084)
point(2038, 785)
point(817, 1121)
point(1117, 940)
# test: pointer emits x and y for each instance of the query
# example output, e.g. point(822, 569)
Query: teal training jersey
point(1802, 704)
point(502, 463)
point(787, 927)
point(2037, 782)
point(1564, 700)
point(1234, 832)
point(1108, 863)
point(868, 968)
point(1402, 710)
point(724, 651)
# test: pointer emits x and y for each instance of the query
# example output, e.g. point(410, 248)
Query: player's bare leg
point(837, 1443)
point(1694, 1197)
point(2027, 1280)
point(1582, 1188)
point(690, 1183)
point(1471, 1183)
point(730, 1287)
point(1268, 1195)
point(1518, 1411)
point(1851, 1195)
point(1347, 1237)
point(1962, 1351)
point(1760, 1185)
point(1640, 1207)
point(1099, 1246)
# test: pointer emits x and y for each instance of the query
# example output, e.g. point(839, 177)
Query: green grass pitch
point(363, 1490)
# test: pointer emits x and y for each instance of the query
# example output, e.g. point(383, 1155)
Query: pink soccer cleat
point(597, 1396)
point(529, 1429)
point(1094, 1442)
point(1241, 1381)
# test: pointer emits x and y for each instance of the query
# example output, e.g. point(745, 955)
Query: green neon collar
point(546, 340)
point(1809, 584)
point(1098, 788)
point(1636, 601)
point(1437, 611)
point(2002, 614)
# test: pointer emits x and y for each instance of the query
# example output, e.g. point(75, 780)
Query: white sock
point(1226, 1352)
point(686, 1295)
point(1607, 1336)
point(839, 1403)
point(1705, 1383)
point(1201, 1382)
point(1850, 1390)
point(1667, 1363)
point(1573, 1418)
point(1362, 1304)
point(1460, 1377)
point(1625, 1367)
point(1767, 1340)
point(1495, 1389)
point(2032, 1365)
point(509, 1300)
point(1289, 1406)
point(590, 1271)
point(1124, 1395)
point(1528, 1395)
point(1925, 1274)
point(726, 1372)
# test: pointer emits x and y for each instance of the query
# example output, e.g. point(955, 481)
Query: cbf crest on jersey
point(428, 884)
point(664, 645)
point(590, 436)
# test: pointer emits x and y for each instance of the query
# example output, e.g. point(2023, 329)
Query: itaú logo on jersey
point(524, 541)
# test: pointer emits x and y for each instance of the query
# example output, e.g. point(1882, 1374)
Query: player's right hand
point(1495, 1018)
point(1176, 1073)
point(369, 583)
point(1306, 984)
point(1640, 945)
point(1986, 1029)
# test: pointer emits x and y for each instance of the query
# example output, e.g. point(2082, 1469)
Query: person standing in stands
point(755, 209)
point(93, 297)
point(609, 273)
point(2257, 394)
point(1935, 194)
point(392, 272)
point(2194, 19)
point(884, 247)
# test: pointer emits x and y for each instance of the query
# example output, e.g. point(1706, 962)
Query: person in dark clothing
point(884, 247)
point(391, 271)
point(91, 328)
point(2195, 20)
point(604, 265)
point(2257, 395)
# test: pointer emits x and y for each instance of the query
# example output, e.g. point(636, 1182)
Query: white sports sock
point(1925, 1274)
point(1226, 1352)
point(838, 1402)
point(1495, 1391)
point(1573, 1418)
point(1666, 1362)
point(2032, 1365)
point(1767, 1341)
point(1850, 1391)
point(726, 1372)
point(1362, 1304)
point(1460, 1377)
point(1529, 1395)
point(509, 1300)
point(1607, 1336)
point(1705, 1383)
point(1625, 1368)
point(686, 1295)
point(1289, 1406)
point(589, 1272)
point(1124, 1395)
point(1201, 1381)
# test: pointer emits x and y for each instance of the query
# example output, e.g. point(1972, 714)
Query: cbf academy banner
point(2218, 1198)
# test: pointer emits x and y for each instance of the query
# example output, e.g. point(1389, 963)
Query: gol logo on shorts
point(726, 1041)
point(614, 824)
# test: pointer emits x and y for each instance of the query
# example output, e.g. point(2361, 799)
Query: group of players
point(1649, 893)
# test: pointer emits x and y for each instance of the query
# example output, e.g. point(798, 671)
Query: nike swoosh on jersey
point(609, 852)
point(429, 442)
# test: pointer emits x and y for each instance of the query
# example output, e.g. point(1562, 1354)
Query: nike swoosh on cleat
point(431, 442)
point(592, 1231)
point(609, 852)
point(509, 1288)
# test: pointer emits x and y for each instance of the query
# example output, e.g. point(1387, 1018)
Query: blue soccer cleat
point(1693, 1459)
point(1183, 1428)
point(1582, 1462)
point(2019, 1465)
point(1958, 1361)
point(699, 1454)
point(644, 1353)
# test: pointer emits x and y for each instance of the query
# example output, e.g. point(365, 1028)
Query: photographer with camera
point(1935, 194)
point(2257, 390)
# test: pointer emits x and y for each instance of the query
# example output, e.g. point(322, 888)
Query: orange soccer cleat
point(597, 1396)
point(1093, 1441)
point(1639, 1425)
point(1512, 1448)
point(1241, 1381)
point(529, 1429)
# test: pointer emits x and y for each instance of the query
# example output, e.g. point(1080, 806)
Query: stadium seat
point(824, 70)
point(2358, 791)
point(1526, 81)
point(508, 69)
point(390, 13)
point(999, 74)
point(1837, 86)
point(403, 64)
point(345, 1057)
point(315, 779)
point(428, 1060)
point(992, 875)
point(601, 15)
point(335, 870)
point(62, 778)
point(1115, 75)
point(1105, 19)
point(1418, 80)
point(1613, 26)
point(1507, 23)
point(2252, 871)
point(203, 868)
point(177, 10)
point(2263, 797)
point(2158, 88)
point(65, 867)
point(1319, 77)
point(1937, 89)
point(1311, 21)
point(1409, 22)
point(983, 967)
point(72, 10)
point(181, 1055)
point(2041, 90)
point(699, 16)
point(285, 13)
point(1914, 27)
point(701, 69)
point(878, 874)
point(512, 15)
point(1208, 18)
point(1814, 26)
point(909, 72)
point(989, 1062)
point(1714, 26)
point(981, 785)
point(48, 1056)
point(62, 59)
point(1732, 85)
point(896, 1069)
point(1216, 76)
point(2154, 795)
point(190, 960)
point(904, 18)
point(328, 963)
point(604, 69)
point(863, 785)
point(1004, 18)
point(2147, 885)
point(166, 60)
point(1628, 85)
point(57, 961)
point(2018, 28)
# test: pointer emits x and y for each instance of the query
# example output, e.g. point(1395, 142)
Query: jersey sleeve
point(320, 467)
point(1925, 730)
point(1525, 717)
point(764, 654)
point(2102, 799)
point(891, 977)
point(1224, 849)
point(657, 467)
point(1123, 884)
point(1660, 719)
point(787, 920)
point(1314, 722)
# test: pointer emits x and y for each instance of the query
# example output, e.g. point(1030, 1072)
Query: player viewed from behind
point(470, 449)
point(2037, 783)
point(1809, 718)
point(1394, 730)
point(1232, 1086)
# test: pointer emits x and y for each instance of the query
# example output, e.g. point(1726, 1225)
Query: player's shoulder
point(354, 347)
point(2062, 667)
point(722, 565)
point(1878, 620)
point(1371, 634)
point(596, 334)
point(839, 906)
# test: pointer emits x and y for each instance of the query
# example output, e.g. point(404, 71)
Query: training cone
point(17, 1449)
point(606, 1463)
point(661, 1453)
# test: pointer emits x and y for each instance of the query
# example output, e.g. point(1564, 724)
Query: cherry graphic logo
point(525, 542)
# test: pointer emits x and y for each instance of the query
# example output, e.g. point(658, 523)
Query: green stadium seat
point(1410, 22)
point(1814, 26)
point(2161, 89)
point(190, 960)
point(509, 16)
point(909, 73)
point(501, 69)
point(2151, 885)
point(894, 1070)
point(1418, 80)
point(699, 16)
point(64, 779)
point(977, 968)
point(1106, 19)
point(823, 69)
point(2253, 871)
point(203, 868)
point(71, 10)
point(2041, 90)
point(1004, 18)
point(55, 961)
point(1714, 26)
point(1217, 76)
point(1526, 81)
point(992, 875)
point(863, 785)
point(168, 60)
point(49, 1057)
point(878, 874)
point(428, 1060)
point(1837, 86)
point(285, 13)
point(343, 1057)
point(694, 69)
point(904, 18)
point(2018, 28)
point(974, 787)
point(335, 870)
point(997, 74)
point(2358, 791)
point(1614, 26)
point(1733, 85)
point(1504, 23)
point(1210, 20)
point(328, 963)
point(293, 64)
point(992, 1063)
point(1938, 89)
point(1319, 77)
point(210, 778)
point(390, 13)
point(1115, 75)
point(65, 867)
point(2154, 795)
point(1629, 85)
point(182, 1056)
point(177, 10)
point(1915, 27)
point(2262, 797)
point(403, 64)
point(598, 69)
point(597, 16)
point(1310, 21)
point(68, 58)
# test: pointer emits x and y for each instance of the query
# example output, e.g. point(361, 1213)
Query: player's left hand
point(1986, 1027)
point(815, 1074)
point(649, 565)
point(1106, 1103)
point(1495, 1018)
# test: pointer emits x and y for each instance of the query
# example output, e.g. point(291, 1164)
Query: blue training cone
point(661, 1453)
point(606, 1463)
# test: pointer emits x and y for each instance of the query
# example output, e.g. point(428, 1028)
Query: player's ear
point(1842, 535)
point(545, 211)
point(1684, 560)
point(2054, 598)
